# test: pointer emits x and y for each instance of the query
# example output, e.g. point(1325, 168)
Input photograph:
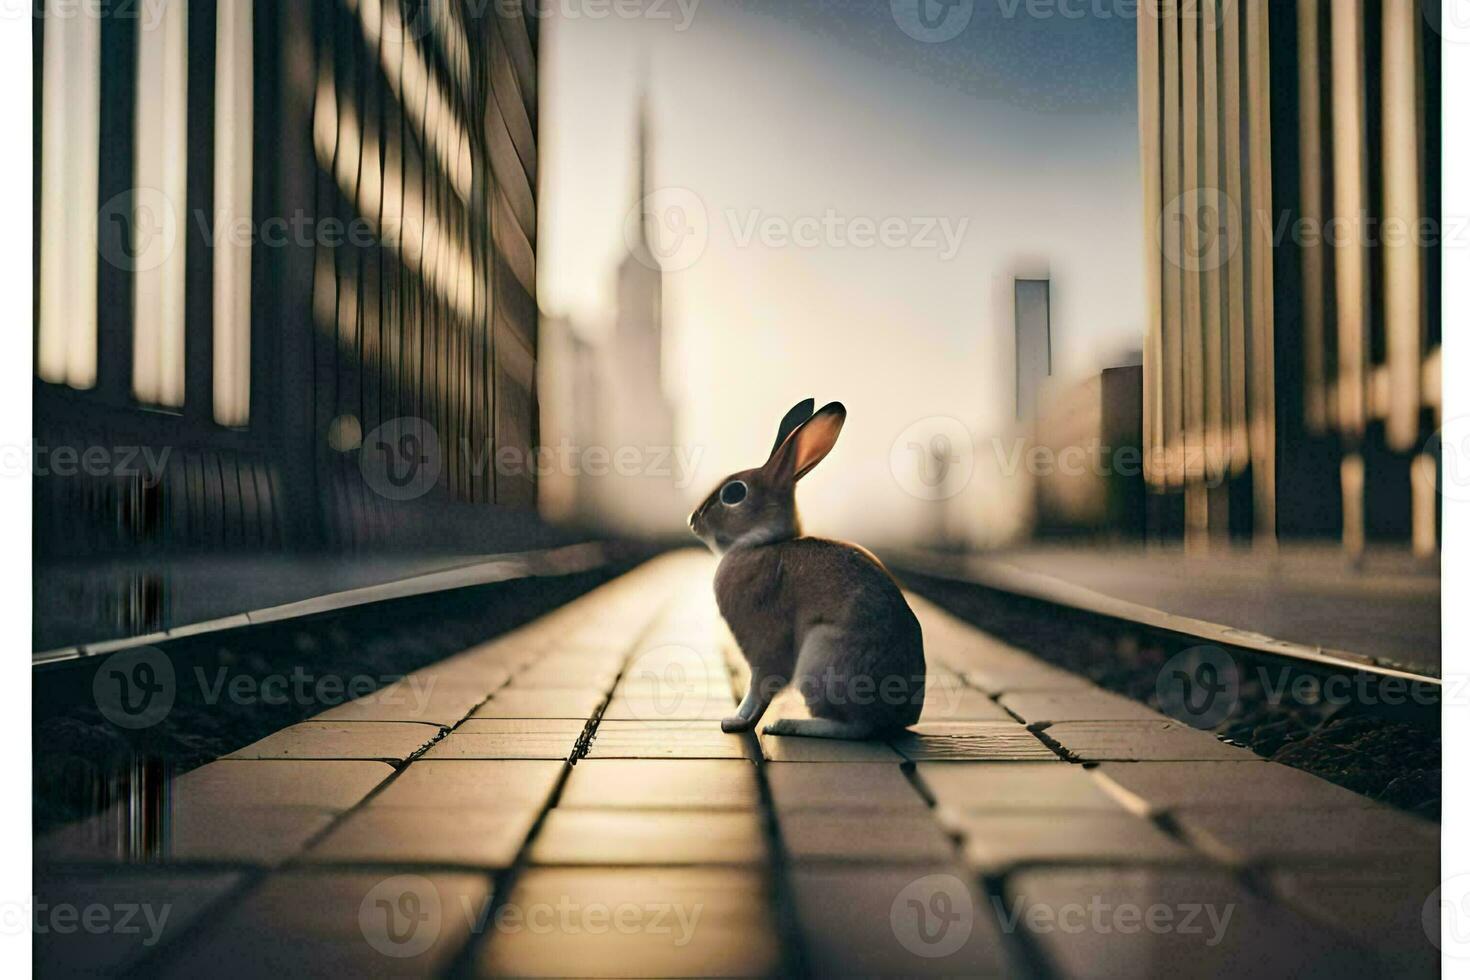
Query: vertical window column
point(66, 345)
point(233, 172)
point(160, 207)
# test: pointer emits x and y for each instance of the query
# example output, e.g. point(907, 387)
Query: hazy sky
point(789, 132)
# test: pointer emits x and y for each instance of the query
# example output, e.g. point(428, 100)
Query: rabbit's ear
point(808, 445)
point(799, 413)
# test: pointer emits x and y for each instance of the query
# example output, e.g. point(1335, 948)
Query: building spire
point(642, 186)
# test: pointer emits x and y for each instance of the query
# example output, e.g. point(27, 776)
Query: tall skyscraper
point(1033, 343)
point(610, 397)
point(639, 421)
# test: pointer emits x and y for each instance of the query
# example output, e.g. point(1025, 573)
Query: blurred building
point(1033, 343)
point(1292, 195)
point(266, 231)
point(1091, 433)
point(616, 417)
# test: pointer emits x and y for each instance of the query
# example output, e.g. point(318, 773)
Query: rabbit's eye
point(733, 492)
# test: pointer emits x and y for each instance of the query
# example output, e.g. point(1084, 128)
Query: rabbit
point(825, 615)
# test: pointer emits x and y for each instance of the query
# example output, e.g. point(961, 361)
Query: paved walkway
point(1385, 611)
point(561, 802)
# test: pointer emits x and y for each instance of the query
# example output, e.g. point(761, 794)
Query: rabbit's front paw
point(735, 724)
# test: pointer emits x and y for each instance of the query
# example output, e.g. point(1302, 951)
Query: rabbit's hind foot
point(820, 728)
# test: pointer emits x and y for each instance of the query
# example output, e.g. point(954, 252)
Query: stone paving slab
point(866, 921)
point(1159, 786)
point(1142, 741)
point(161, 907)
point(711, 708)
point(677, 922)
point(521, 726)
point(667, 740)
point(558, 677)
point(1187, 923)
point(997, 679)
point(227, 835)
point(577, 703)
point(650, 837)
point(1049, 707)
point(875, 876)
point(972, 741)
point(947, 702)
point(661, 784)
point(382, 740)
point(483, 670)
point(683, 694)
point(460, 837)
point(327, 785)
point(994, 843)
point(873, 837)
point(434, 704)
point(1252, 836)
point(1383, 905)
point(988, 787)
point(794, 749)
point(329, 923)
point(842, 786)
point(656, 663)
point(472, 784)
point(504, 745)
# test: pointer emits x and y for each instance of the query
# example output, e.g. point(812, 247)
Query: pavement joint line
point(1027, 954)
point(462, 964)
point(910, 772)
point(589, 731)
point(789, 934)
point(1024, 952)
point(254, 875)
